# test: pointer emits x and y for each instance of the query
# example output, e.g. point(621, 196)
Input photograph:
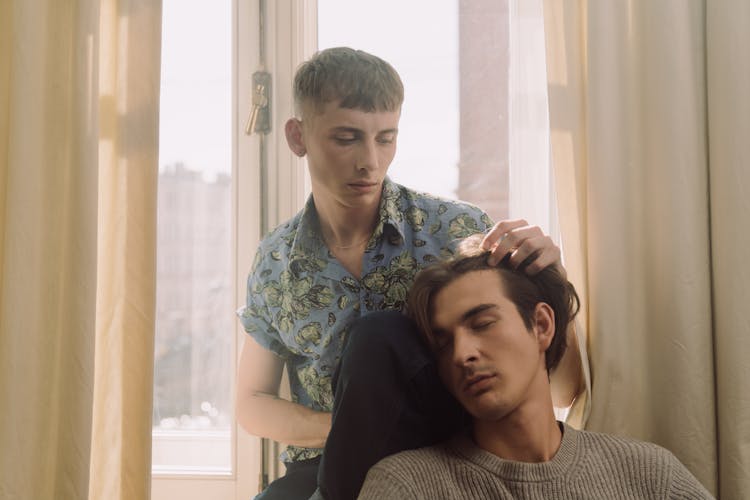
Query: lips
point(477, 383)
point(363, 186)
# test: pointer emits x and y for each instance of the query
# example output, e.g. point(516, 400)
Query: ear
point(544, 325)
point(294, 137)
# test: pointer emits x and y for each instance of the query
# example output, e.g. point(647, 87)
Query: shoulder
point(281, 237)
point(275, 249)
point(408, 474)
point(622, 447)
point(406, 461)
point(452, 218)
point(411, 197)
point(641, 462)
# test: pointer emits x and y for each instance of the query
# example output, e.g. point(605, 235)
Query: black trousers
point(387, 398)
point(298, 482)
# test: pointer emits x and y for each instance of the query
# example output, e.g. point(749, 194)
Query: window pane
point(193, 357)
point(420, 39)
point(530, 175)
point(453, 59)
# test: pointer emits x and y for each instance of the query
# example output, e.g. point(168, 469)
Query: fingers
point(499, 230)
point(525, 244)
point(537, 252)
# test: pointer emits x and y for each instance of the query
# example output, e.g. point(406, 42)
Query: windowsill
point(192, 453)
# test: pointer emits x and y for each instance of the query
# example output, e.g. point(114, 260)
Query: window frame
point(290, 28)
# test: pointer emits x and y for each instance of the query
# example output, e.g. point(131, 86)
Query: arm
point(523, 242)
point(260, 410)
point(566, 381)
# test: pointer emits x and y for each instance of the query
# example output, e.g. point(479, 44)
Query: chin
point(363, 199)
point(488, 411)
point(489, 415)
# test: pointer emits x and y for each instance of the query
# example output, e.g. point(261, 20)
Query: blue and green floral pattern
point(301, 301)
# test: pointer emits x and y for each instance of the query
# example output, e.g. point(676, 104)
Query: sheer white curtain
point(79, 85)
point(531, 193)
point(649, 110)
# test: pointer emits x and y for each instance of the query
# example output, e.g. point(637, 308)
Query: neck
point(529, 434)
point(346, 227)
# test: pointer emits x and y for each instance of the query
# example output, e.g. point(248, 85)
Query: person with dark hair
point(325, 295)
point(496, 334)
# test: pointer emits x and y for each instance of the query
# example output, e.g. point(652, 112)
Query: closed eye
point(345, 140)
point(441, 345)
point(482, 325)
point(440, 340)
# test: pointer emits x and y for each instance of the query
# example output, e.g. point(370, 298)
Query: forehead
point(332, 115)
point(466, 293)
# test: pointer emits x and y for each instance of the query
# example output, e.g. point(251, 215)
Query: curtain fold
point(77, 247)
point(48, 240)
point(529, 155)
point(728, 70)
point(129, 65)
point(646, 120)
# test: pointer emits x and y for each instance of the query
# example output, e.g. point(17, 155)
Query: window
point(474, 121)
point(209, 226)
point(531, 187)
point(461, 136)
point(193, 348)
point(428, 141)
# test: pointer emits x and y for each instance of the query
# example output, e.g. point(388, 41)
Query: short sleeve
point(255, 315)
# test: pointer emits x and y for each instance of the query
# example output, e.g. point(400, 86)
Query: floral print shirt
point(301, 300)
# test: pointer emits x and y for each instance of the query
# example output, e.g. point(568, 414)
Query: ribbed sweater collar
point(509, 470)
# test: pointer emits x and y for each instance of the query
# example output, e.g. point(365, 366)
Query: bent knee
point(379, 339)
point(380, 331)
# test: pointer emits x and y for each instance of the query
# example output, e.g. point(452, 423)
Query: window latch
point(259, 120)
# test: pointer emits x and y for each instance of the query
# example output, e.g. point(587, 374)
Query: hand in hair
point(527, 245)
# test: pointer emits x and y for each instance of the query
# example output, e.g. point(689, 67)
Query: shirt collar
point(308, 245)
point(390, 214)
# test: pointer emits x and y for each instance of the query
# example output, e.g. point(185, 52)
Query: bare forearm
point(567, 380)
point(269, 416)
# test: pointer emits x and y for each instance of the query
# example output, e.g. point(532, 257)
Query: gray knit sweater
point(587, 465)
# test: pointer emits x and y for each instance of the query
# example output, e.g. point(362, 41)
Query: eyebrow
point(478, 309)
point(346, 129)
point(355, 130)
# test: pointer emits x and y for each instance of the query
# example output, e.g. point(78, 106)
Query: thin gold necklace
point(346, 247)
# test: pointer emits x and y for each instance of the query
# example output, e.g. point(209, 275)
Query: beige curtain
point(79, 85)
point(650, 126)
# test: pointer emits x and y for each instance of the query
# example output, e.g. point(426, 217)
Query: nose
point(367, 159)
point(465, 348)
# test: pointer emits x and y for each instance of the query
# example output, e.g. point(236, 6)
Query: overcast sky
point(195, 127)
point(424, 50)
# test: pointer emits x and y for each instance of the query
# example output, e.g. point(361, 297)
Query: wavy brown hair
point(525, 291)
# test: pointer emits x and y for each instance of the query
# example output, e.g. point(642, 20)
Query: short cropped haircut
point(525, 291)
point(355, 78)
